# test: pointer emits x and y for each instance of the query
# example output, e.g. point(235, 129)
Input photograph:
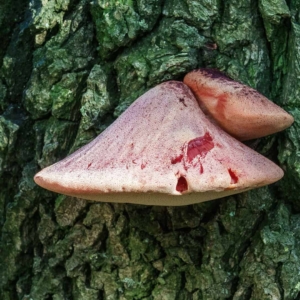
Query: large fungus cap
point(240, 110)
point(161, 151)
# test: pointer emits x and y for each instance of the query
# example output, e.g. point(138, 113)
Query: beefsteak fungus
point(240, 110)
point(162, 150)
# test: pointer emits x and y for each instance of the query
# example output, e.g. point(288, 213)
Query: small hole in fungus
point(182, 185)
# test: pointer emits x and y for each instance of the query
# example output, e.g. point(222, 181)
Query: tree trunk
point(68, 68)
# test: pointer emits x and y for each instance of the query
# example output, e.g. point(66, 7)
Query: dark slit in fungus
point(201, 170)
point(234, 177)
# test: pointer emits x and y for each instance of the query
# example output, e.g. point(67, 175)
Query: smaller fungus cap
point(240, 110)
point(161, 151)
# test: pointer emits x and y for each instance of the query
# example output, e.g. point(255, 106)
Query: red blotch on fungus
point(221, 106)
point(234, 177)
point(201, 170)
point(176, 159)
point(199, 146)
point(182, 185)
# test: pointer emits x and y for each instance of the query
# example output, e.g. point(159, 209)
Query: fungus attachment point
point(135, 159)
point(238, 109)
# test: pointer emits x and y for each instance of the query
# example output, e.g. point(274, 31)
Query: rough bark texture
point(68, 68)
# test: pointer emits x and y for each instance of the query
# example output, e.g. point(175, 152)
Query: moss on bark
point(68, 69)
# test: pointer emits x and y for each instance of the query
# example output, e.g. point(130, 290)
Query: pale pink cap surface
point(238, 109)
point(161, 151)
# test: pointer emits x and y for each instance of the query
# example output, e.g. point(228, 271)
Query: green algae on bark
point(118, 23)
point(54, 62)
point(63, 78)
point(268, 270)
point(167, 53)
point(100, 97)
point(289, 142)
point(201, 14)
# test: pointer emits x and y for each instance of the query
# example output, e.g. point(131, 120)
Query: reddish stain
point(234, 177)
point(89, 165)
point(182, 185)
point(143, 166)
point(221, 106)
point(199, 146)
point(201, 170)
point(176, 159)
point(204, 92)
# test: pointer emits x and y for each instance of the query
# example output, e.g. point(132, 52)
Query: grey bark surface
point(68, 68)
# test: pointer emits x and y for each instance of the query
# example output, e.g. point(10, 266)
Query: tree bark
point(68, 68)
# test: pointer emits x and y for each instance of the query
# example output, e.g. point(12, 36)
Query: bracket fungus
point(238, 109)
point(163, 150)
